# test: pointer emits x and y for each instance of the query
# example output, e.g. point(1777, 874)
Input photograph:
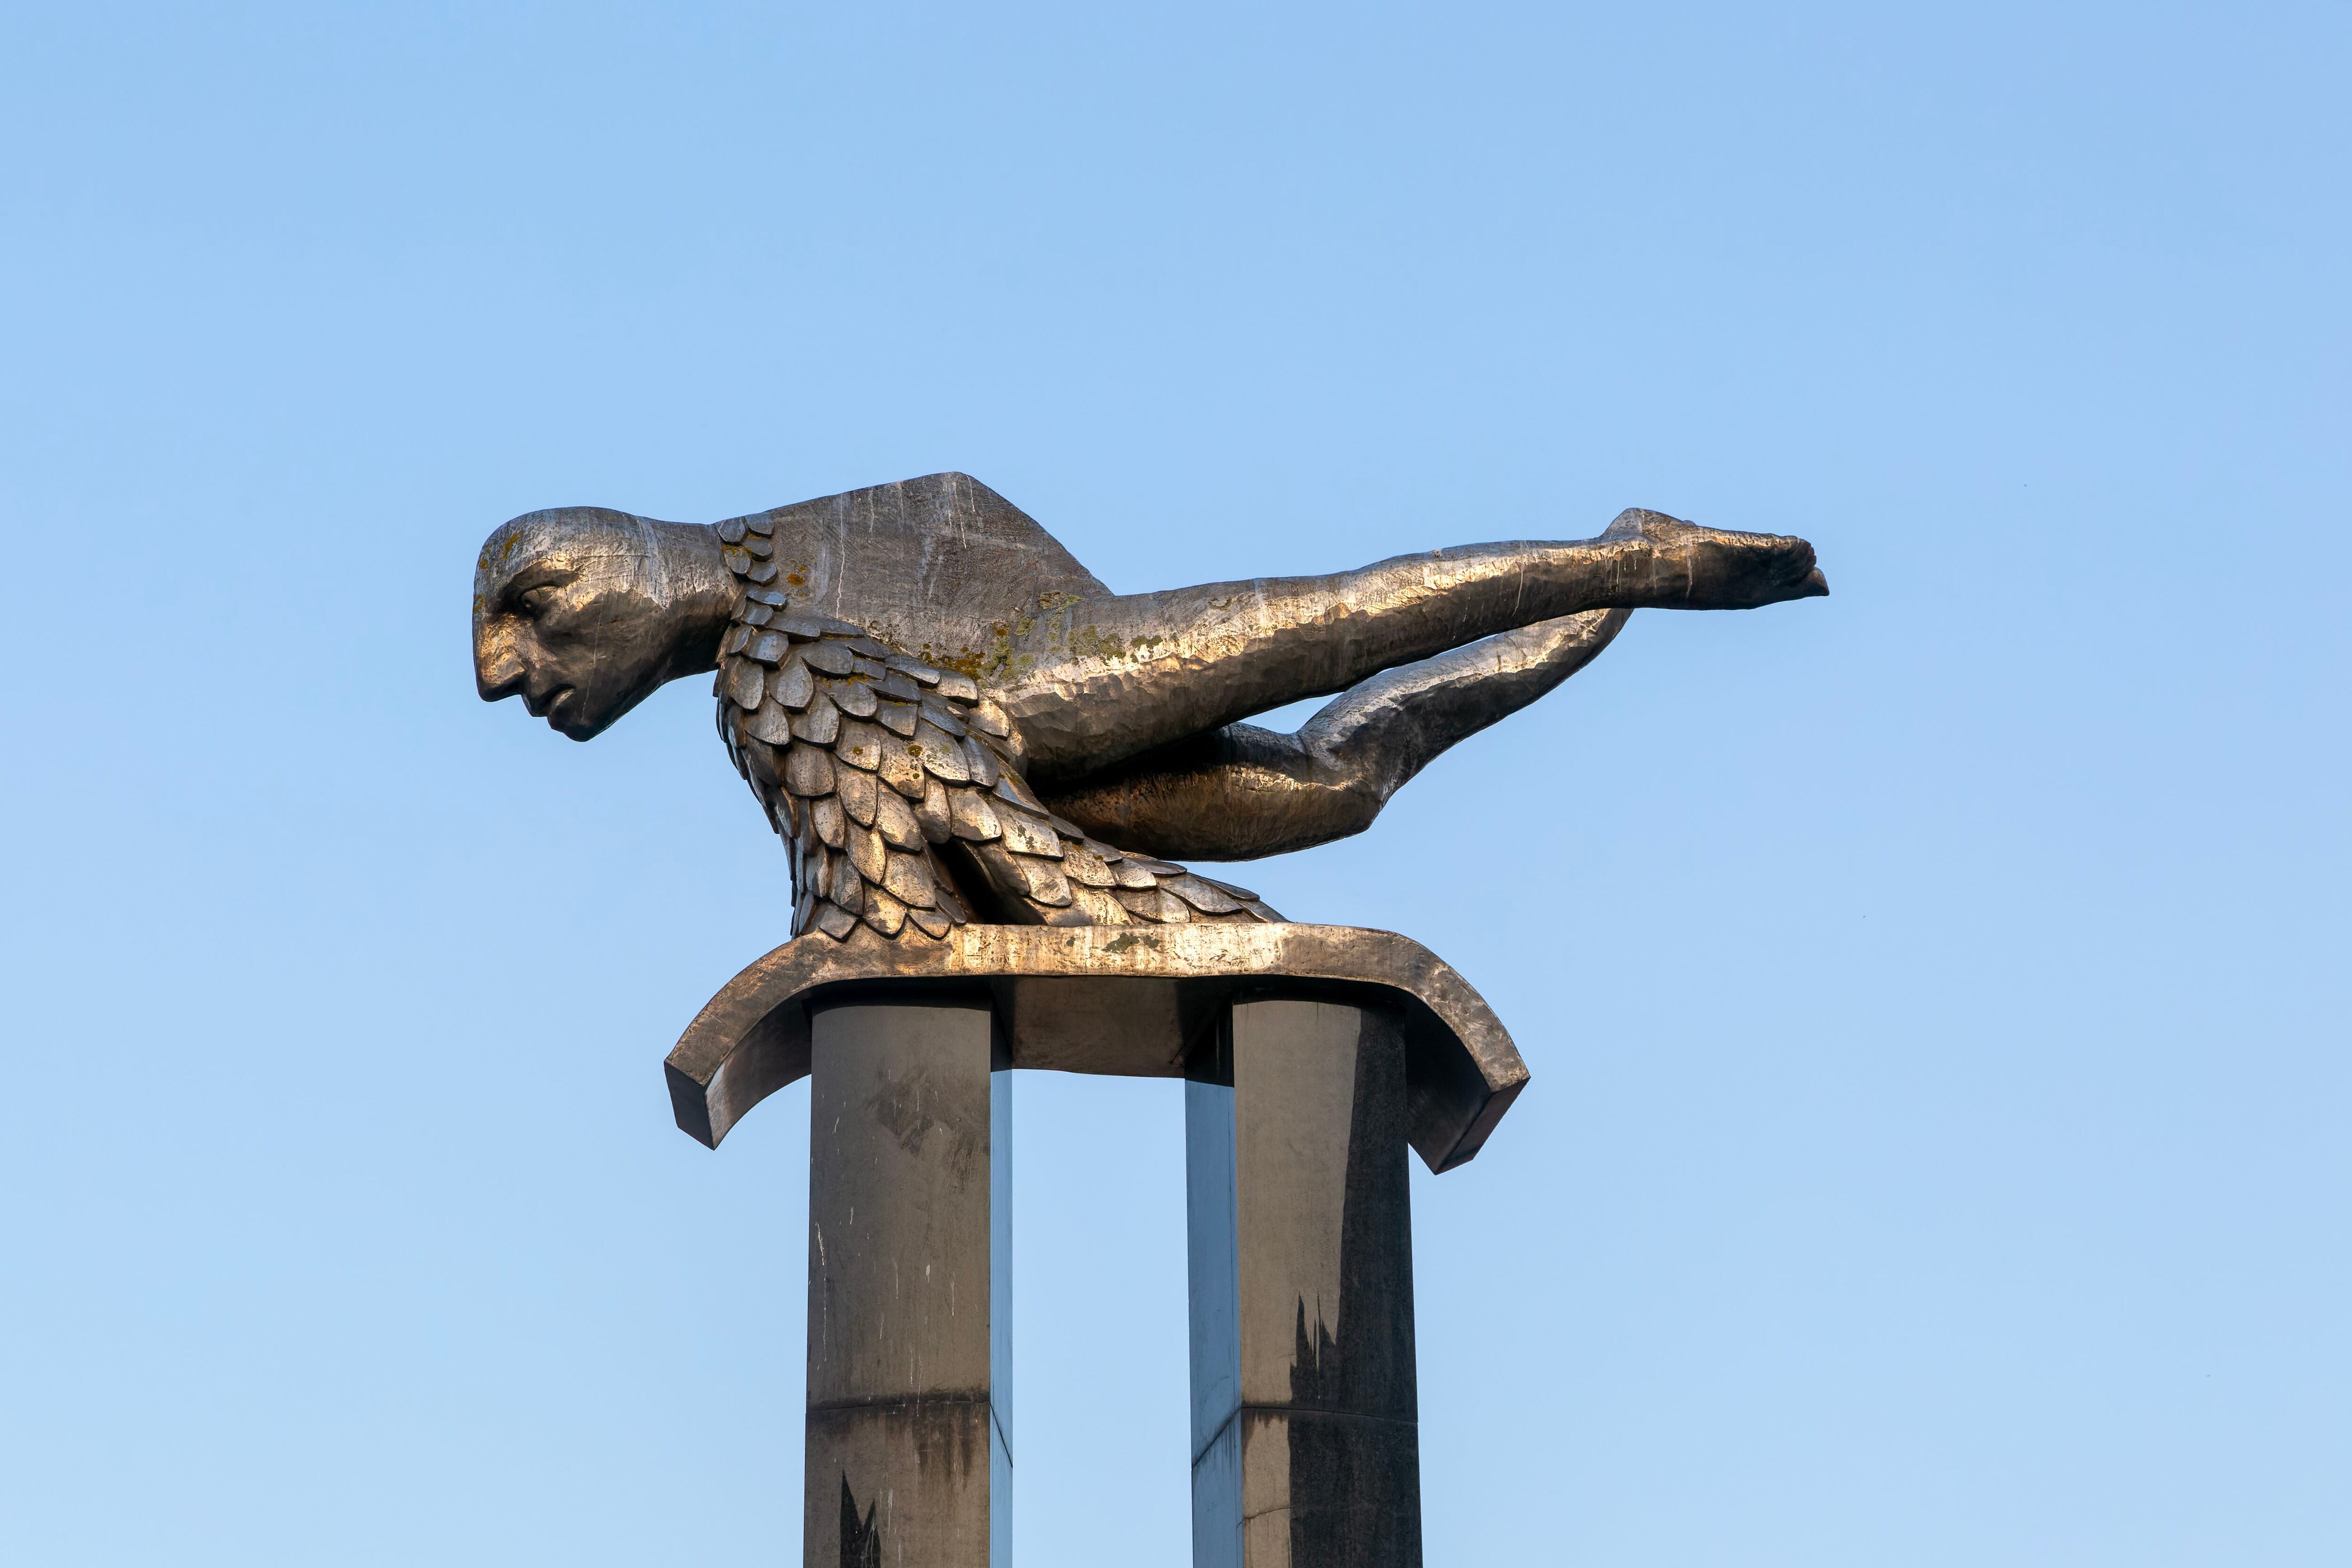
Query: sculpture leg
point(910, 1328)
point(1242, 792)
point(1098, 680)
point(1305, 1444)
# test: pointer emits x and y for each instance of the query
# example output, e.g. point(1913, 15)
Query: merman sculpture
point(979, 756)
point(950, 721)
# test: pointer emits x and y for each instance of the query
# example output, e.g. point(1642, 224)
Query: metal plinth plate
point(1112, 1000)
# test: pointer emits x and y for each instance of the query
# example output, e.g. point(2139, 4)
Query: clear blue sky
point(1938, 1148)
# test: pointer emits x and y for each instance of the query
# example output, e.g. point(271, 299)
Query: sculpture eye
point(534, 602)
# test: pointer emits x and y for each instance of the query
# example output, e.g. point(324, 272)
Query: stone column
point(910, 1257)
point(1305, 1445)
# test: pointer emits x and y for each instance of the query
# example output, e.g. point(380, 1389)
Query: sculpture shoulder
point(935, 565)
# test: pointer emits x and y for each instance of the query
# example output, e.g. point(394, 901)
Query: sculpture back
point(941, 567)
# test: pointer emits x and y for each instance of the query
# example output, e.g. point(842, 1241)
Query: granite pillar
point(909, 1324)
point(1305, 1443)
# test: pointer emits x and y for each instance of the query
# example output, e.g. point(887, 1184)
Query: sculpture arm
point(1098, 680)
point(1243, 791)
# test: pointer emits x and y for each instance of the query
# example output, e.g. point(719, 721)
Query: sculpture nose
point(498, 670)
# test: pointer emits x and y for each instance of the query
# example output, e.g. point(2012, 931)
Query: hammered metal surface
point(937, 681)
point(1094, 999)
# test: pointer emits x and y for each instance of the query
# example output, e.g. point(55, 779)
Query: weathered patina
point(951, 721)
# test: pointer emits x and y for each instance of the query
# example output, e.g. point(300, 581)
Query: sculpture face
point(579, 611)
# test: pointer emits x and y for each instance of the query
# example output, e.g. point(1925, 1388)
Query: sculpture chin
point(571, 714)
point(567, 720)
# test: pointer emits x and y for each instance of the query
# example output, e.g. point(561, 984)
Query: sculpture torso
point(897, 782)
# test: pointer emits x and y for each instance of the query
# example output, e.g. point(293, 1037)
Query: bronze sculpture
point(977, 755)
point(949, 720)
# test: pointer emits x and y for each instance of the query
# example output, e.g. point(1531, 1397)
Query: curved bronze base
point(1101, 999)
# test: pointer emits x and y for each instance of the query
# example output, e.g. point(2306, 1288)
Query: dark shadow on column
point(861, 1542)
point(1355, 1472)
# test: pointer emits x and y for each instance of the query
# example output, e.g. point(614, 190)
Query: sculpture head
point(584, 612)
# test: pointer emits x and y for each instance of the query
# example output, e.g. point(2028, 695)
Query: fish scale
point(897, 786)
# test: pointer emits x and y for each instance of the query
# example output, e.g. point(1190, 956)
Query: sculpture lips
point(549, 706)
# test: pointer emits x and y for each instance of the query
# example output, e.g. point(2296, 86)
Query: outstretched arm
point(1242, 792)
point(1095, 681)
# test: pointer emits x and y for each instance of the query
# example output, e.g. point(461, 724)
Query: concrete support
point(1305, 1444)
point(910, 1323)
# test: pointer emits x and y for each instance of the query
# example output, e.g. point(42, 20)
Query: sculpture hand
point(1698, 568)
